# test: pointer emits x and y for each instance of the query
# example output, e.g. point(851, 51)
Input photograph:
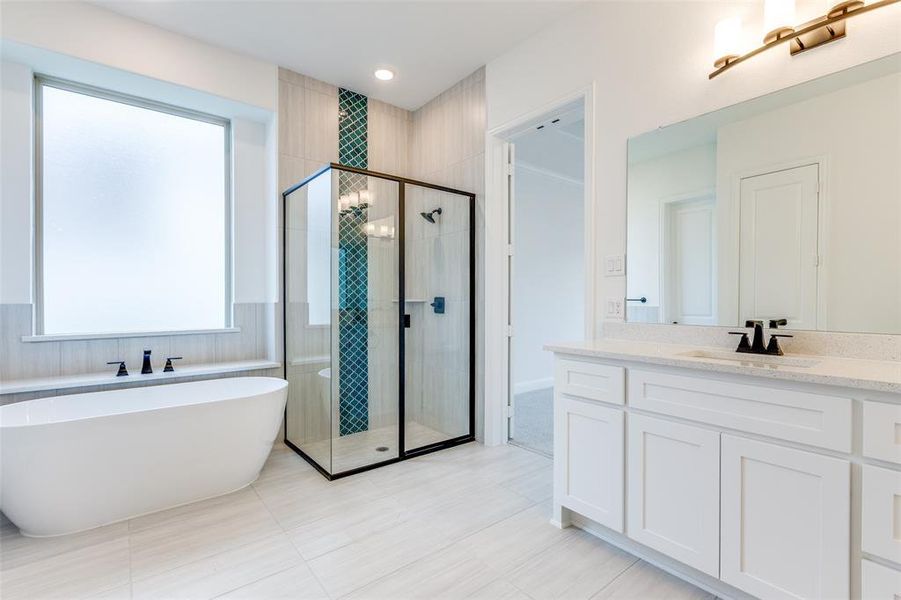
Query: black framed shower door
point(438, 374)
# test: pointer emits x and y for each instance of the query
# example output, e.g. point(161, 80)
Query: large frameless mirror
point(786, 207)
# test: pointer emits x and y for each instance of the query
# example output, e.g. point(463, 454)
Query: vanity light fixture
point(727, 41)
point(778, 19)
point(384, 74)
point(812, 34)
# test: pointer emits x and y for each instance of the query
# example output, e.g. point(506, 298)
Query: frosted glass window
point(133, 217)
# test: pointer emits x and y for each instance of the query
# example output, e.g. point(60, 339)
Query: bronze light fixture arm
point(826, 23)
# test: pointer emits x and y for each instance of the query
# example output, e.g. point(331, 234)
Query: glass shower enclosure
point(378, 318)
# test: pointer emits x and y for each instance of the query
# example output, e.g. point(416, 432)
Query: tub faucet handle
point(169, 368)
point(122, 372)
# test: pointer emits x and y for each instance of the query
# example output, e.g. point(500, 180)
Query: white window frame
point(41, 81)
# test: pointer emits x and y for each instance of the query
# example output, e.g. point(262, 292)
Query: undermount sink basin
point(757, 360)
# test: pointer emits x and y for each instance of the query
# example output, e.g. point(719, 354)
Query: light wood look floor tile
point(643, 581)
point(576, 567)
point(183, 535)
point(78, 573)
point(296, 583)
point(221, 573)
point(469, 522)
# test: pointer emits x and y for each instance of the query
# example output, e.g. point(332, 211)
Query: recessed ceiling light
point(384, 74)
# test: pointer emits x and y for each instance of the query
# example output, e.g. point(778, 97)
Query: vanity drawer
point(882, 431)
point(878, 582)
point(803, 417)
point(881, 514)
point(594, 381)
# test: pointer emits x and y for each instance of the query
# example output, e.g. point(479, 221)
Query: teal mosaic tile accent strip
point(353, 143)
point(353, 270)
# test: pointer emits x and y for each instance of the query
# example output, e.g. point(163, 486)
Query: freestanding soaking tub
point(75, 462)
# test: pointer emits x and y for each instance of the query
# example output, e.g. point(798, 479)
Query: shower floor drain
point(382, 449)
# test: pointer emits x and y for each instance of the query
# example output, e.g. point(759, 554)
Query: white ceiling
point(430, 44)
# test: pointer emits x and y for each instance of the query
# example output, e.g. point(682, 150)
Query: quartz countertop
point(875, 375)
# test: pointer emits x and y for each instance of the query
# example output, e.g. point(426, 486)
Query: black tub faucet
point(169, 368)
point(122, 372)
point(146, 369)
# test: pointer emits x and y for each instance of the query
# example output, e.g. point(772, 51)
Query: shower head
point(430, 216)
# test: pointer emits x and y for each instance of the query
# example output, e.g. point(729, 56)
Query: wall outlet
point(614, 265)
point(614, 308)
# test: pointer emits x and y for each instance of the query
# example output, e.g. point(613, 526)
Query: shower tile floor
point(468, 522)
point(360, 449)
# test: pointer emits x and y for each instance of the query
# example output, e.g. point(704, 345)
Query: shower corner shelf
point(411, 301)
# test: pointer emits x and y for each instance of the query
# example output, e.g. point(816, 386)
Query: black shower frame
point(403, 454)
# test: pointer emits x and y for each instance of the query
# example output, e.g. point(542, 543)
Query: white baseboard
point(530, 386)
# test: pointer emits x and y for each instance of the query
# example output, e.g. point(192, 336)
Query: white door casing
point(778, 246)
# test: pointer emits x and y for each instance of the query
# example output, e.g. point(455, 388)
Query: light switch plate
point(614, 308)
point(614, 265)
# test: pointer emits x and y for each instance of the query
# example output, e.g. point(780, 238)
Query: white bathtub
point(76, 462)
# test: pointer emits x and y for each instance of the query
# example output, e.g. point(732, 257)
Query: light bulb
point(364, 197)
point(726, 41)
point(778, 19)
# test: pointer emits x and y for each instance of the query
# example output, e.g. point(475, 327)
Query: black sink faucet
point(757, 345)
point(146, 369)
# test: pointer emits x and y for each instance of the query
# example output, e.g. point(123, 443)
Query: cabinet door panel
point(785, 521)
point(674, 490)
point(588, 459)
point(882, 431)
point(881, 513)
point(878, 582)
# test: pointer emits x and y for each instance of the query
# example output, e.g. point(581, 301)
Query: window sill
point(72, 337)
point(73, 382)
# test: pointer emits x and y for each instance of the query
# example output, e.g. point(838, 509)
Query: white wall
point(651, 182)
point(549, 272)
point(106, 38)
point(648, 72)
point(90, 45)
point(15, 183)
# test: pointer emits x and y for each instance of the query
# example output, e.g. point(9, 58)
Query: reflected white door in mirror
point(746, 483)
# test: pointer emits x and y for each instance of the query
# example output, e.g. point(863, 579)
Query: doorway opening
point(547, 264)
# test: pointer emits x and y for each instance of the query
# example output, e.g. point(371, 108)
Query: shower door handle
point(406, 321)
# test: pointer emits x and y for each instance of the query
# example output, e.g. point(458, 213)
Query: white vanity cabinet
point(673, 490)
point(879, 582)
point(785, 521)
point(741, 484)
point(588, 459)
